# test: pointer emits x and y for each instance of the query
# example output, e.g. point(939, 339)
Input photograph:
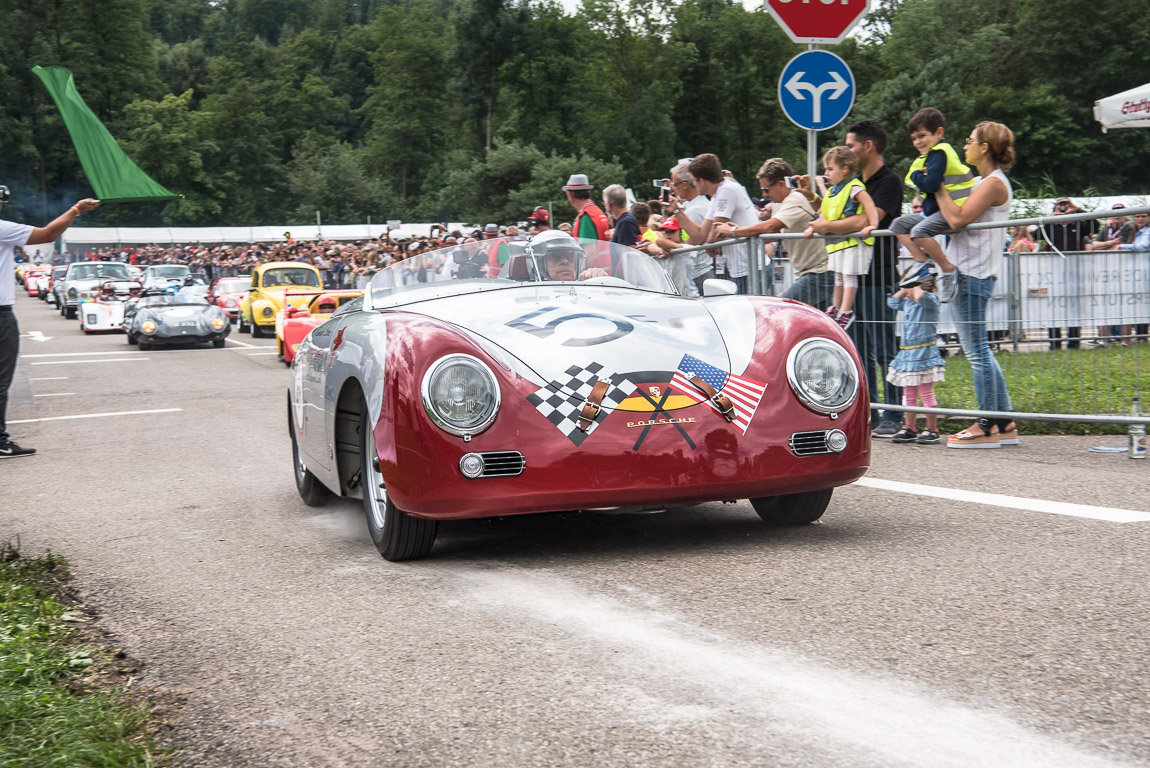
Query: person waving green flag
point(113, 175)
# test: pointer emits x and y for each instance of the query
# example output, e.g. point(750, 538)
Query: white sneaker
point(947, 286)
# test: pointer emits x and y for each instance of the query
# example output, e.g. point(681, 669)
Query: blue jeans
point(970, 316)
point(874, 338)
point(814, 288)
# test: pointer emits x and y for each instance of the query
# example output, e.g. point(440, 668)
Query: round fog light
point(836, 440)
point(471, 465)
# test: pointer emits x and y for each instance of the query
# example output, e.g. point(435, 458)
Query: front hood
point(276, 295)
point(612, 332)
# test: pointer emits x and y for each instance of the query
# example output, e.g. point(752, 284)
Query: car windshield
point(501, 263)
point(94, 271)
point(283, 276)
point(233, 284)
point(173, 300)
point(174, 270)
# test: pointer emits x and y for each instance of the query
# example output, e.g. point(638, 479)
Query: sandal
point(981, 434)
point(1008, 435)
point(904, 435)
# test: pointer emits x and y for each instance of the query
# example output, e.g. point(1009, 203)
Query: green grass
point(1071, 381)
point(54, 711)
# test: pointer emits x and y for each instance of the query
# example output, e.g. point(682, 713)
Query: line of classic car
point(574, 379)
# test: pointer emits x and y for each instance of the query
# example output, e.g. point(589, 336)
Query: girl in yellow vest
point(847, 207)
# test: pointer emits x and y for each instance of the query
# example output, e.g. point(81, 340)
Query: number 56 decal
point(523, 323)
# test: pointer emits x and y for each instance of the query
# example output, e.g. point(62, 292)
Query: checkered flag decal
point(562, 409)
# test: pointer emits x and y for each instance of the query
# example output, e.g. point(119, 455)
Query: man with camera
point(13, 236)
point(792, 212)
point(1071, 236)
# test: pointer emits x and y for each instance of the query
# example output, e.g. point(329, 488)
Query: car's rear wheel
point(311, 490)
point(396, 534)
point(793, 508)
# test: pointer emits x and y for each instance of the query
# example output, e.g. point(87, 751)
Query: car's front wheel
point(396, 534)
point(257, 332)
point(793, 508)
point(131, 339)
point(241, 326)
point(144, 346)
point(311, 490)
point(219, 343)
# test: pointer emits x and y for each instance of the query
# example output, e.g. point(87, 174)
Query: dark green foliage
point(256, 109)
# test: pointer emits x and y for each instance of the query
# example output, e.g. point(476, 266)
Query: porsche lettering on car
point(576, 378)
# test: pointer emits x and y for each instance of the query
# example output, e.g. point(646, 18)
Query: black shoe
point(904, 435)
point(10, 450)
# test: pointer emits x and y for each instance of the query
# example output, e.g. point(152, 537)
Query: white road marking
point(105, 360)
point(245, 344)
point(49, 378)
point(95, 415)
point(83, 354)
point(37, 336)
point(661, 657)
point(56, 394)
point(1109, 514)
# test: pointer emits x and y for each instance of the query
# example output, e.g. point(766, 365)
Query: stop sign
point(818, 21)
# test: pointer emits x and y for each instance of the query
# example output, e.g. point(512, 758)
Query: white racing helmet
point(552, 247)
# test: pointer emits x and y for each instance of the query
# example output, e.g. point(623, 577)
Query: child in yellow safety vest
point(937, 166)
point(846, 208)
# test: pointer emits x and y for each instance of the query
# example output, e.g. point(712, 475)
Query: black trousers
point(9, 351)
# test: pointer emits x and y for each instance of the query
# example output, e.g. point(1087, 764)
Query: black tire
point(257, 332)
point(144, 346)
point(70, 313)
point(241, 326)
point(793, 508)
point(219, 343)
point(311, 490)
point(131, 338)
point(396, 534)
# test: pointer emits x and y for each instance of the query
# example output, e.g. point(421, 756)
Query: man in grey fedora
point(590, 221)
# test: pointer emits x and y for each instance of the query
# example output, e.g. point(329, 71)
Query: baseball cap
point(577, 181)
point(669, 223)
point(540, 214)
point(1116, 206)
point(491, 228)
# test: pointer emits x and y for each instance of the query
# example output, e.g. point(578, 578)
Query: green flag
point(114, 177)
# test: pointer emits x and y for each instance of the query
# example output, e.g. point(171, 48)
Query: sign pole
point(812, 147)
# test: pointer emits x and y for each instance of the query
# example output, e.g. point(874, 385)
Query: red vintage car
point(294, 323)
point(226, 292)
point(32, 277)
point(575, 379)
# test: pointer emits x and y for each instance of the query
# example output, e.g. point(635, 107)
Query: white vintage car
point(103, 309)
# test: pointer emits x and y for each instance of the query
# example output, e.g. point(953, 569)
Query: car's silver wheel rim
point(374, 490)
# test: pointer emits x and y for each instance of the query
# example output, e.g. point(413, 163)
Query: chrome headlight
point(823, 375)
point(72, 292)
point(268, 311)
point(460, 394)
point(217, 323)
point(148, 326)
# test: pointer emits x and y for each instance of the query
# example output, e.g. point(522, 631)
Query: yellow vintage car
point(265, 297)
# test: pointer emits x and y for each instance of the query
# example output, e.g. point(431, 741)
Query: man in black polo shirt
point(873, 330)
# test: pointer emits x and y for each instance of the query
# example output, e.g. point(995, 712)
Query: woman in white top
point(978, 257)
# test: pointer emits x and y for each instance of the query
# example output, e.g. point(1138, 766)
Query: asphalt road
point(906, 629)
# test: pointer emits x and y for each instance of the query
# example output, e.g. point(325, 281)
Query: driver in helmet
point(560, 258)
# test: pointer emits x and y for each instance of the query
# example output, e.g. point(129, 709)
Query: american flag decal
point(744, 393)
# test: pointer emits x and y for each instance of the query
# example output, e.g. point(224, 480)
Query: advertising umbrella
point(1129, 109)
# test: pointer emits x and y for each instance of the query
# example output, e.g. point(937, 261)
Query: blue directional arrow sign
point(816, 90)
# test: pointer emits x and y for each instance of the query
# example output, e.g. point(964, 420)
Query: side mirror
point(717, 287)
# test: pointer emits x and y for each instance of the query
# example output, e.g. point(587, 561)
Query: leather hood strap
point(592, 405)
point(721, 401)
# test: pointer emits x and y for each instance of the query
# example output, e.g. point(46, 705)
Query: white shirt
point(731, 201)
point(11, 235)
point(978, 253)
point(700, 262)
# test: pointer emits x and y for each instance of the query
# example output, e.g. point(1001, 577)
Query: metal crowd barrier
point(1070, 330)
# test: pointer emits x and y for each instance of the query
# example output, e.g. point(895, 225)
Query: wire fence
point(1069, 329)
